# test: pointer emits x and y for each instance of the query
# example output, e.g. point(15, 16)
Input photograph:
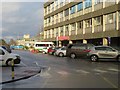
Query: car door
point(110, 52)
point(101, 52)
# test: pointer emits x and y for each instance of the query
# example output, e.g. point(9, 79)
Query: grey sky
point(19, 18)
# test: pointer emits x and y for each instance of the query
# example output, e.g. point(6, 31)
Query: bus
point(41, 45)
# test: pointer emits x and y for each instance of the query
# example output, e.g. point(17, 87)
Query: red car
point(52, 50)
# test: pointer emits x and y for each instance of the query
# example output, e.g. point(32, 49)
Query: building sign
point(63, 38)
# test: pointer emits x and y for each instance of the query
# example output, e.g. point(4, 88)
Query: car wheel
point(94, 58)
point(72, 55)
point(8, 62)
point(118, 58)
point(61, 54)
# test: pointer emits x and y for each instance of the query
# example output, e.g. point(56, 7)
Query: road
point(63, 72)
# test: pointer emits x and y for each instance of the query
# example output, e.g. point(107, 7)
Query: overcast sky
point(19, 18)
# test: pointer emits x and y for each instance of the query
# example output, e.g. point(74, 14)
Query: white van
point(41, 45)
point(6, 57)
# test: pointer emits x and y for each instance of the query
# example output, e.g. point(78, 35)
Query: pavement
point(20, 73)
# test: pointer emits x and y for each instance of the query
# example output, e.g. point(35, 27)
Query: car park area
point(58, 71)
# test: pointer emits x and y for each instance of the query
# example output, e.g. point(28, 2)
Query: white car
point(6, 57)
point(61, 52)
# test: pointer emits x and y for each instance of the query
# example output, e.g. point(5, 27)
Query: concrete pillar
point(60, 43)
point(83, 27)
point(117, 20)
point(92, 25)
point(63, 30)
point(93, 5)
point(84, 41)
point(76, 28)
point(70, 42)
point(104, 22)
point(105, 41)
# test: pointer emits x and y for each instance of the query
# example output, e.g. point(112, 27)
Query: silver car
point(103, 52)
point(61, 52)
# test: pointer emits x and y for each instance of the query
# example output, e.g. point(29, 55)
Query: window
point(66, 12)
point(61, 29)
point(66, 27)
point(52, 6)
point(48, 8)
point(72, 10)
point(49, 20)
point(88, 23)
point(80, 6)
point(110, 18)
point(97, 2)
point(1, 52)
point(88, 3)
point(73, 26)
point(80, 25)
point(97, 21)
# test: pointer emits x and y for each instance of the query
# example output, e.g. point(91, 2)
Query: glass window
point(66, 12)
point(72, 10)
point(97, 2)
point(88, 3)
point(97, 21)
point(73, 26)
point(80, 24)
point(49, 20)
point(110, 18)
point(61, 29)
point(1, 52)
point(66, 27)
point(88, 23)
point(80, 6)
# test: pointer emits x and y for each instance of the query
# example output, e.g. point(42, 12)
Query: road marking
point(64, 73)
point(82, 71)
point(24, 64)
point(101, 71)
point(113, 69)
point(109, 82)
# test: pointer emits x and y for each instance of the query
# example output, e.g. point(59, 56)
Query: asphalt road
point(63, 72)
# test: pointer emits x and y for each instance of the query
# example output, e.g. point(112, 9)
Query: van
point(6, 57)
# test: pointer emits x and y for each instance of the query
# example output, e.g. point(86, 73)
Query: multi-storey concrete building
point(84, 21)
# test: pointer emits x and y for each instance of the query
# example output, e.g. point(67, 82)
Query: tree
point(3, 43)
point(12, 42)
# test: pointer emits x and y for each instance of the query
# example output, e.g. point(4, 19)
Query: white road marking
point(24, 64)
point(101, 71)
point(82, 71)
point(113, 69)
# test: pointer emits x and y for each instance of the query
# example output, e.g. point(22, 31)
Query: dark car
point(78, 50)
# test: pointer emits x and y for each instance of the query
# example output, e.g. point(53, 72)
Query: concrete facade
point(84, 21)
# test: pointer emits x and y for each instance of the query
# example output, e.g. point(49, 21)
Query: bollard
point(12, 67)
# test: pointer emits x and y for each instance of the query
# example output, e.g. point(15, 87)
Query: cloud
point(10, 7)
point(14, 20)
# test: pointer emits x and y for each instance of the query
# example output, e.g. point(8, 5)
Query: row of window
point(79, 6)
point(110, 18)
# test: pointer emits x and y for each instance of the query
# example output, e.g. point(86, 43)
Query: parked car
point(7, 48)
point(103, 52)
point(93, 52)
point(6, 57)
point(44, 50)
point(61, 52)
point(52, 50)
point(78, 50)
